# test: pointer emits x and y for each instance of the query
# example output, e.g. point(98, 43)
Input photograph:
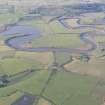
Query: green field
point(58, 41)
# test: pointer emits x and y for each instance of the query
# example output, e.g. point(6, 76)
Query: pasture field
point(10, 99)
point(58, 41)
point(80, 89)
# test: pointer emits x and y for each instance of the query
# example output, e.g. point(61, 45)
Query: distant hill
point(46, 2)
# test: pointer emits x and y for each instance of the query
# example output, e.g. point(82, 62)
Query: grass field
point(10, 99)
point(58, 41)
point(67, 88)
point(8, 18)
point(88, 68)
point(91, 18)
point(32, 84)
point(44, 102)
point(12, 66)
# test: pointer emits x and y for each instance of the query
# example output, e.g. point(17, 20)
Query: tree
point(84, 57)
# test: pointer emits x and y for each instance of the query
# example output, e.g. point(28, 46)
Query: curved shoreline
point(64, 23)
point(46, 49)
point(11, 42)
